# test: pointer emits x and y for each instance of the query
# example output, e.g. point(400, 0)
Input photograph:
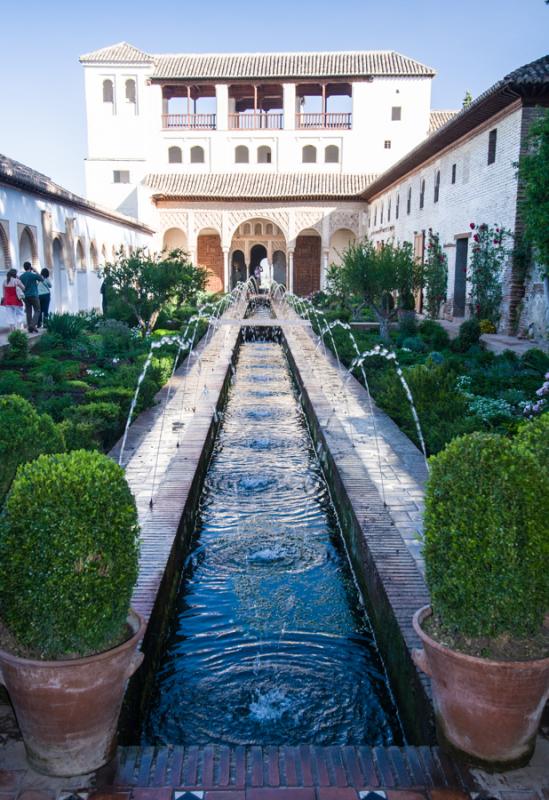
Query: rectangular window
point(397, 209)
point(454, 166)
point(437, 186)
point(492, 141)
point(121, 176)
point(387, 144)
point(396, 113)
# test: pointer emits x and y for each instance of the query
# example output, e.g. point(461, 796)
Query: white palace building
point(290, 156)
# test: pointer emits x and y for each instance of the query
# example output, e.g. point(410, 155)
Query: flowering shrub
point(435, 275)
point(487, 326)
point(488, 409)
point(536, 408)
point(486, 267)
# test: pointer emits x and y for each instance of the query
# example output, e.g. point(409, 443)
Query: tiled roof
point(439, 118)
point(287, 65)
point(233, 66)
point(258, 186)
point(121, 53)
point(529, 82)
point(19, 175)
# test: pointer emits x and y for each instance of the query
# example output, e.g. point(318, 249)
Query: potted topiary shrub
point(68, 564)
point(486, 552)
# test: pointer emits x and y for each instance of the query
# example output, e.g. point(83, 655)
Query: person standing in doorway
point(12, 292)
point(44, 297)
point(30, 280)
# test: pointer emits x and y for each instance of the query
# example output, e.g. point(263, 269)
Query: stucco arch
point(339, 242)
point(81, 256)
point(174, 239)
point(5, 255)
point(247, 217)
point(28, 250)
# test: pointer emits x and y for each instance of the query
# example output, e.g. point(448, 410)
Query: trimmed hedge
point(24, 434)
point(534, 437)
point(487, 537)
point(68, 554)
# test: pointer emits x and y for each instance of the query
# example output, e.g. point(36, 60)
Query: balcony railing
point(260, 120)
point(194, 121)
point(321, 120)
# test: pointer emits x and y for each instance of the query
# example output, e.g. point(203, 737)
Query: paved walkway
point(496, 342)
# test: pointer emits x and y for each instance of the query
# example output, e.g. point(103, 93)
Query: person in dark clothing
point(30, 280)
point(44, 296)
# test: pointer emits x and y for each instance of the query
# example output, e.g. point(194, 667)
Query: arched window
point(130, 91)
point(241, 154)
point(308, 155)
point(331, 154)
point(258, 229)
point(247, 230)
point(437, 186)
point(264, 154)
point(175, 156)
point(5, 259)
point(197, 155)
point(422, 194)
point(269, 229)
point(108, 91)
point(80, 257)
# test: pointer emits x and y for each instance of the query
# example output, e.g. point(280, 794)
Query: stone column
point(324, 264)
point(290, 270)
point(226, 274)
point(289, 98)
point(222, 106)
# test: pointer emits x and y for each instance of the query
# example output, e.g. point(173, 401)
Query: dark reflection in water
point(269, 643)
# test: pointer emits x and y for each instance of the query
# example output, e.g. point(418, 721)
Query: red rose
point(476, 237)
point(472, 226)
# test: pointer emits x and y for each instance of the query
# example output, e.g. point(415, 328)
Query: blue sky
point(471, 44)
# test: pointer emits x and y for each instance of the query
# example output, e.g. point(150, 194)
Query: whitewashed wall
point(482, 193)
point(75, 279)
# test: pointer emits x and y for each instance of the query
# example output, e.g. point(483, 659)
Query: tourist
point(30, 279)
point(44, 297)
point(13, 293)
point(257, 275)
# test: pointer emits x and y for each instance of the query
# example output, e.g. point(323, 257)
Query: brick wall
point(307, 265)
point(210, 255)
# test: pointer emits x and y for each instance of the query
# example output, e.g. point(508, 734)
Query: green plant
point(104, 418)
point(68, 555)
point(415, 344)
point(407, 326)
point(12, 382)
point(67, 327)
point(373, 275)
point(486, 268)
point(534, 437)
point(79, 435)
point(434, 335)
point(24, 434)
point(536, 360)
point(469, 335)
point(435, 275)
point(116, 337)
point(534, 176)
point(18, 345)
point(487, 326)
point(442, 409)
point(487, 537)
point(147, 283)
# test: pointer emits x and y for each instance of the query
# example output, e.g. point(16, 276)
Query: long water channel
point(269, 642)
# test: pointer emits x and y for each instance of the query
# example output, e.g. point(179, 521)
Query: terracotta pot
point(68, 710)
point(489, 710)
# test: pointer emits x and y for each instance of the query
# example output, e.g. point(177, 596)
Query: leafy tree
point(146, 283)
point(534, 174)
point(436, 275)
point(375, 275)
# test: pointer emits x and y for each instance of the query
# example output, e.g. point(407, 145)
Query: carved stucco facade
point(292, 219)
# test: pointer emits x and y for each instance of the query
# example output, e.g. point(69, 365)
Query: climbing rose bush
point(488, 257)
point(435, 275)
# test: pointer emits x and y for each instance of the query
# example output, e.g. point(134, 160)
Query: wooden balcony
point(255, 121)
point(201, 122)
point(324, 121)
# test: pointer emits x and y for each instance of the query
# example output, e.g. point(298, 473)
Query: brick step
point(232, 768)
